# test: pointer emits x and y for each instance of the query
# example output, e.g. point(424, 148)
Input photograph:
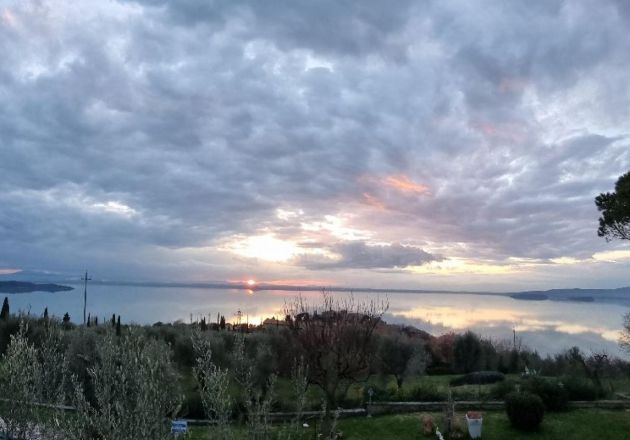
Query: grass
point(574, 425)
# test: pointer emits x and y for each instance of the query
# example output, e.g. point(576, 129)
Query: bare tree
point(336, 339)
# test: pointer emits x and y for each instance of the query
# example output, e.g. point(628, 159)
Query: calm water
point(543, 325)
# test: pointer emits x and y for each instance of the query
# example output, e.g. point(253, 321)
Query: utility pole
point(85, 280)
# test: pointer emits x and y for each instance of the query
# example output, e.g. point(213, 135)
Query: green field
point(572, 425)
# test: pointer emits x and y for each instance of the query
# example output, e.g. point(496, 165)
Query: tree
point(135, 389)
point(401, 356)
point(256, 398)
point(4, 313)
point(19, 376)
point(467, 353)
point(118, 326)
point(66, 320)
point(46, 314)
point(615, 211)
point(336, 340)
point(222, 323)
point(214, 386)
point(614, 222)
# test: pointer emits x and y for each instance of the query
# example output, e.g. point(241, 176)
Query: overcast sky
point(439, 144)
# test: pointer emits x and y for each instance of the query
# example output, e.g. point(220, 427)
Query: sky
point(436, 144)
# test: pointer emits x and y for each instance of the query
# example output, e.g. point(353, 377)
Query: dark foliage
point(614, 221)
point(552, 392)
point(4, 313)
point(395, 354)
point(192, 407)
point(580, 389)
point(467, 353)
point(525, 410)
point(503, 388)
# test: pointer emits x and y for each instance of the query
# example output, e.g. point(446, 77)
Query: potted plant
point(474, 420)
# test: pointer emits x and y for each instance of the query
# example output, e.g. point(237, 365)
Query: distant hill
point(27, 287)
point(620, 295)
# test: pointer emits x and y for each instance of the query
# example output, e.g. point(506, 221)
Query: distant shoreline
point(617, 296)
point(17, 287)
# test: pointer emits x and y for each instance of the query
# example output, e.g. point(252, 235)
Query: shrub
point(503, 388)
point(552, 392)
point(425, 392)
point(579, 388)
point(525, 410)
point(478, 377)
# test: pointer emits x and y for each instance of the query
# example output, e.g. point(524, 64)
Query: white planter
point(474, 427)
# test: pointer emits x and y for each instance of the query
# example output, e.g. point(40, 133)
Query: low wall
point(412, 407)
point(488, 405)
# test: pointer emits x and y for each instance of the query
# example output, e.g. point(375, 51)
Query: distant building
point(273, 323)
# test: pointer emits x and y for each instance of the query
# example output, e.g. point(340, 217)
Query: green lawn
point(573, 425)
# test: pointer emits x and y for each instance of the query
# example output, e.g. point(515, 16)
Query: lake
point(546, 326)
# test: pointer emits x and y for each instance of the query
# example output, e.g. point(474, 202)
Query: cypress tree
point(96, 321)
point(118, 326)
point(4, 313)
point(66, 320)
point(46, 314)
point(113, 320)
point(88, 320)
point(222, 323)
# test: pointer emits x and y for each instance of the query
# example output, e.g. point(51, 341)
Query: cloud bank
point(146, 138)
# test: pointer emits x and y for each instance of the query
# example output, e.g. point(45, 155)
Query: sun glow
point(251, 282)
point(265, 247)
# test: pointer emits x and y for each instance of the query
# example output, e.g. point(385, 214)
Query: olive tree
point(256, 395)
point(135, 391)
point(214, 385)
point(20, 375)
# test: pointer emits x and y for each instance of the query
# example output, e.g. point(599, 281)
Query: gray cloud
point(133, 131)
point(359, 255)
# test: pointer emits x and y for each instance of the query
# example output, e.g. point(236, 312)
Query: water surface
point(546, 326)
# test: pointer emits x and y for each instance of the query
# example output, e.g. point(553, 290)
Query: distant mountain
point(27, 287)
